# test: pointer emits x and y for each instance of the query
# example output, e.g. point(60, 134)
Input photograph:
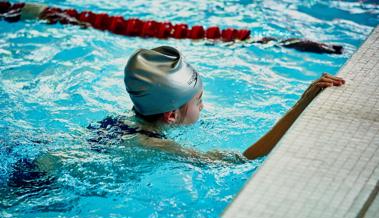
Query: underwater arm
point(265, 144)
point(172, 147)
point(169, 147)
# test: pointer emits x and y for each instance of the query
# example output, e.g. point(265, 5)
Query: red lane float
point(151, 28)
point(133, 26)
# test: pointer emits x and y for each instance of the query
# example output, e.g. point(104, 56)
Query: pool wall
point(327, 164)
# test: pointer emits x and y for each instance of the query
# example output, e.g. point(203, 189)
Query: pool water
point(56, 80)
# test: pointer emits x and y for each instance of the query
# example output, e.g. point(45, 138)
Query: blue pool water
point(55, 80)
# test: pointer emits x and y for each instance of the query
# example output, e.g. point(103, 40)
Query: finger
point(324, 84)
point(333, 77)
point(336, 82)
point(325, 79)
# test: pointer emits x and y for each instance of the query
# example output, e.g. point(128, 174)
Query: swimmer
point(304, 45)
point(166, 91)
point(29, 11)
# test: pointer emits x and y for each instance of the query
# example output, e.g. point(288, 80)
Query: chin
point(194, 121)
point(189, 122)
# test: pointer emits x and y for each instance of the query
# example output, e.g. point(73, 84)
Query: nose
point(201, 106)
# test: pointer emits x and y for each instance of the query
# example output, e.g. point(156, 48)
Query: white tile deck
point(327, 164)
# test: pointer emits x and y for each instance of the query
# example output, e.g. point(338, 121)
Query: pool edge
point(331, 171)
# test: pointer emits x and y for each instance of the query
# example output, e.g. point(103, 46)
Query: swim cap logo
point(193, 78)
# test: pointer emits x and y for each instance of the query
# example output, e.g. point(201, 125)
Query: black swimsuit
point(115, 127)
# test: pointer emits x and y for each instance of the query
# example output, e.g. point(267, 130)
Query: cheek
point(195, 113)
point(192, 115)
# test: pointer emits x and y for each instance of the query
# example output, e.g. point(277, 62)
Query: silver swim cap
point(159, 80)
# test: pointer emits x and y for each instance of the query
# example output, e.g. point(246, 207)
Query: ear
point(169, 117)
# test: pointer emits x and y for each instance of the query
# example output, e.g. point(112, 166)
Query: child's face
point(194, 107)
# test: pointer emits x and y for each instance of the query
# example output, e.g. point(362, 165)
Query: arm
point(30, 11)
point(20, 11)
point(303, 45)
point(172, 147)
point(311, 46)
point(265, 144)
point(54, 15)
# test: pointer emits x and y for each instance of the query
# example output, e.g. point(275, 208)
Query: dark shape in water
point(116, 128)
point(26, 174)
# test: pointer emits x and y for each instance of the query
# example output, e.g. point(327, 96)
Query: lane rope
point(155, 29)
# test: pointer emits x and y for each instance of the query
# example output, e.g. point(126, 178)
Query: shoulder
point(115, 128)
